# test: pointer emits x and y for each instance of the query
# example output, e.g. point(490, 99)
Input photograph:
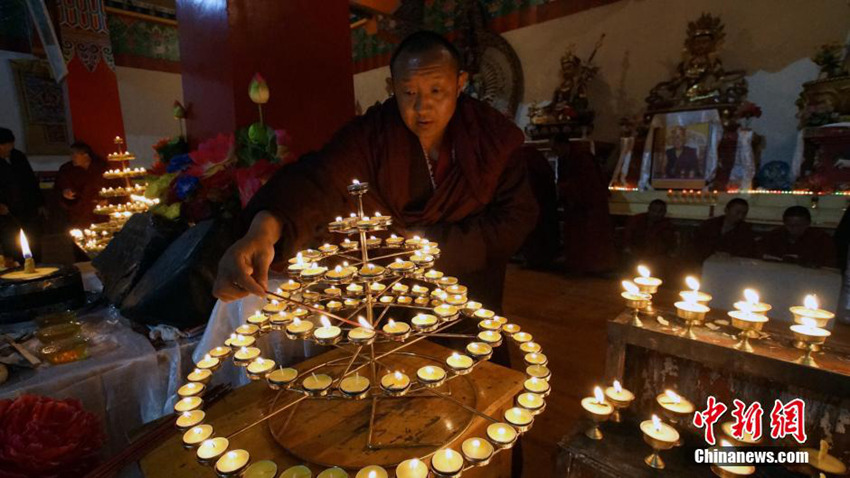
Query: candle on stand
point(490, 337)
point(401, 266)
point(298, 471)
point(281, 377)
point(532, 402)
point(191, 389)
point(598, 410)
point(431, 375)
point(232, 463)
point(692, 310)
point(327, 334)
point(211, 449)
point(694, 294)
point(299, 328)
point(520, 418)
point(329, 248)
point(340, 273)
point(372, 471)
point(245, 355)
point(188, 404)
point(635, 300)
point(334, 472)
point(199, 375)
point(446, 462)
point(619, 397)
point(362, 335)
point(413, 468)
point(748, 319)
point(29, 262)
point(354, 385)
point(660, 436)
point(477, 451)
point(259, 368)
point(241, 341)
point(395, 383)
point(197, 434)
point(536, 385)
point(538, 371)
point(460, 364)
point(371, 271)
point(398, 330)
point(823, 462)
point(208, 363)
point(261, 469)
point(811, 336)
point(810, 309)
point(249, 330)
point(479, 350)
point(675, 406)
point(190, 419)
point(530, 347)
point(424, 322)
point(317, 384)
point(501, 435)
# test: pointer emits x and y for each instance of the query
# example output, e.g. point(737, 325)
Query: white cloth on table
point(125, 381)
point(780, 285)
point(226, 317)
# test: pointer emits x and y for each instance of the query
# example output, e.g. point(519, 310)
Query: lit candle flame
point(597, 392)
point(338, 269)
point(296, 321)
point(643, 271)
point(673, 396)
point(656, 422)
point(398, 260)
point(617, 387)
point(391, 323)
point(25, 246)
point(363, 323)
point(373, 474)
point(325, 322)
point(429, 370)
point(724, 442)
point(355, 181)
point(693, 283)
point(808, 322)
point(752, 296)
point(339, 219)
point(299, 259)
point(398, 375)
point(630, 287)
point(811, 302)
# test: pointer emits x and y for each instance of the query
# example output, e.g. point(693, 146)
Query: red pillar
point(301, 47)
point(92, 85)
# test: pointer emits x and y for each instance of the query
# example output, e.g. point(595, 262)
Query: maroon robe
point(649, 239)
point(588, 233)
point(814, 248)
point(480, 212)
point(86, 184)
point(709, 238)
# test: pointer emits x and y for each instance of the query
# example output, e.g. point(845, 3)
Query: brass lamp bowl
point(654, 459)
point(811, 343)
point(693, 315)
point(748, 327)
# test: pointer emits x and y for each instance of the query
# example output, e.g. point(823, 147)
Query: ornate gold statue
point(700, 78)
point(569, 103)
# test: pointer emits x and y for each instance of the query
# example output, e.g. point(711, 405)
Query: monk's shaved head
point(424, 44)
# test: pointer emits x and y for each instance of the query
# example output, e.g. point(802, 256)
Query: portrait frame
point(681, 150)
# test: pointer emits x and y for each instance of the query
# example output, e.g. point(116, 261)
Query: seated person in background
point(78, 185)
point(727, 234)
point(795, 241)
point(650, 236)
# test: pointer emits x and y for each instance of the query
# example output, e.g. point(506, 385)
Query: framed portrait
point(681, 150)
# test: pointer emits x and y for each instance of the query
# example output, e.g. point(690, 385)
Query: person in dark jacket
point(78, 185)
point(21, 202)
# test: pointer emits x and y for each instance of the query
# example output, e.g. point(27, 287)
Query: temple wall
point(771, 40)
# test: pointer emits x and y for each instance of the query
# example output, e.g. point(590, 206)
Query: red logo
point(708, 417)
point(788, 419)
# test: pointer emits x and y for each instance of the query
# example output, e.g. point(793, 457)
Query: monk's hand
point(244, 268)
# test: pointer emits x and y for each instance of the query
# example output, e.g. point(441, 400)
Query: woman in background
point(78, 183)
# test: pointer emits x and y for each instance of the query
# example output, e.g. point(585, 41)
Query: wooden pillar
point(301, 47)
point(92, 85)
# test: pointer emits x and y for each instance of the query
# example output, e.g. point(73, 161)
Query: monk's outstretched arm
point(496, 233)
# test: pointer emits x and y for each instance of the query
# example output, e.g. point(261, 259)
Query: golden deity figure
point(700, 77)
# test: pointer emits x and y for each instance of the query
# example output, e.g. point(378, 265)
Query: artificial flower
point(258, 90)
point(249, 180)
point(42, 437)
point(179, 163)
point(185, 185)
point(210, 154)
point(178, 110)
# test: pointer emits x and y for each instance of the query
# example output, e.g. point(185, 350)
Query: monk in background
point(588, 233)
point(650, 239)
point(727, 234)
point(799, 243)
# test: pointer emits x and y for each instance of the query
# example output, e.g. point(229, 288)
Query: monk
point(78, 185)
point(444, 165)
point(727, 234)
point(797, 242)
point(588, 233)
point(649, 237)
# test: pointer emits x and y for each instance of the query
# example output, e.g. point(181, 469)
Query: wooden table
point(345, 423)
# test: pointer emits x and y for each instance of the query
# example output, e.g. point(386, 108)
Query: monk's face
point(796, 226)
point(6, 149)
point(736, 213)
point(427, 86)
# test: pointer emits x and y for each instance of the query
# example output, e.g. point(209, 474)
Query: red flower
point(249, 180)
point(158, 168)
point(41, 437)
point(209, 154)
